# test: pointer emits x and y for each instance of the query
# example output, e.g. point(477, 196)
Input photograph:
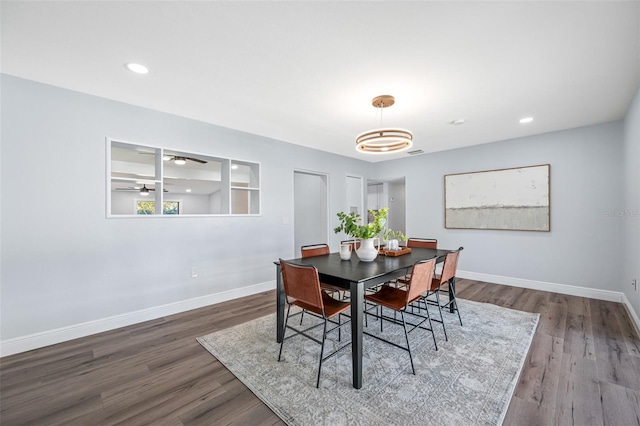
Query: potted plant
point(350, 224)
point(393, 237)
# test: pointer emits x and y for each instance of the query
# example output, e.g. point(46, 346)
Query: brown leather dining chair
point(430, 243)
point(442, 282)
point(302, 289)
point(311, 250)
point(399, 300)
point(413, 242)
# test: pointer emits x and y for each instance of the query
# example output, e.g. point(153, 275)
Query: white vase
point(367, 252)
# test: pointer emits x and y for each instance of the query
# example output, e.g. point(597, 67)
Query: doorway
point(389, 193)
point(310, 209)
point(354, 201)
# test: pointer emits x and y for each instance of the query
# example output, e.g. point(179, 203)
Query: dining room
point(111, 270)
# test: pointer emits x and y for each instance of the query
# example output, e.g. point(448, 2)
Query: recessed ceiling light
point(234, 166)
point(457, 122)
point(526, 120)
point(137, 68)
point(188, 190)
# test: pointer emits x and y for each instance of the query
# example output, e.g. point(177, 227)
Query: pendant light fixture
point(384, 140)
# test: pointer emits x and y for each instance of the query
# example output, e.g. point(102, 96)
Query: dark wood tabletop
point(333, 270)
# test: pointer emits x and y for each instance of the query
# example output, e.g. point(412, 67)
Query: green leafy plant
point(350, 224)
point(390, 234)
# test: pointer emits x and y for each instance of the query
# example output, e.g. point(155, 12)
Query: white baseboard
point(51, 337)
point(632, 313)
point(611, 296)
point(592, 293)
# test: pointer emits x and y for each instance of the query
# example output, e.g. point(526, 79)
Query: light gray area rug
point(468, 381)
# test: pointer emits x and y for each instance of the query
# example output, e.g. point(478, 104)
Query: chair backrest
point(354, 243)
point(421, 276)
point(314, 250)
point(450, 265)
point(302, 283)
point(430, 243)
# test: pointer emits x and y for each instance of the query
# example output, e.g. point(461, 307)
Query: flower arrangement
point(350, 224)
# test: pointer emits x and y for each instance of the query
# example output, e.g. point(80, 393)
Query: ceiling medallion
point(384, 141)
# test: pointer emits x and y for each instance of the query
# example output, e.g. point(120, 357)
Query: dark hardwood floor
point(583, 369)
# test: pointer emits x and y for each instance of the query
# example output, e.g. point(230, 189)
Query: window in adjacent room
point(141, 178)
point(149, 207)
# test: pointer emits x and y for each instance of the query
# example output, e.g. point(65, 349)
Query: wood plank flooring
point(583, 369)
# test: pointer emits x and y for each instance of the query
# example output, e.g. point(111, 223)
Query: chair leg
point(285, 332)
point(457, 310)
point(431, 327)
point(324, 336)
point(406, 335)
point(440, 311)
point(339, 327)
point(301, 316)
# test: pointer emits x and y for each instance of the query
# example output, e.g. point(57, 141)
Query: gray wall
point(631, 213)
point(584, 246)
point(65, 263)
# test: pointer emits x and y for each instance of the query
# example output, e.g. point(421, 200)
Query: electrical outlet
point(194, 272)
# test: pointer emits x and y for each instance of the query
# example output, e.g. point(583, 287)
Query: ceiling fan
point(180, 160)
point(143, 191)
point(177, 159)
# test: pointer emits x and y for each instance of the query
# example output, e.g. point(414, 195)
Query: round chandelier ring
point(384, 141)
point(387, 140)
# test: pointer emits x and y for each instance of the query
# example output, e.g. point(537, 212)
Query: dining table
point(356, 276)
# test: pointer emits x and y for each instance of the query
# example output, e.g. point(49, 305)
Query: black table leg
point(357, 302)
point(279, 304)
point(452, 292)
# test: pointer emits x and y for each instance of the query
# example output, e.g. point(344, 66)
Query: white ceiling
point(305, 72)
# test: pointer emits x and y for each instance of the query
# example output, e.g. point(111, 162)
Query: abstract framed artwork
point(505, 199)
